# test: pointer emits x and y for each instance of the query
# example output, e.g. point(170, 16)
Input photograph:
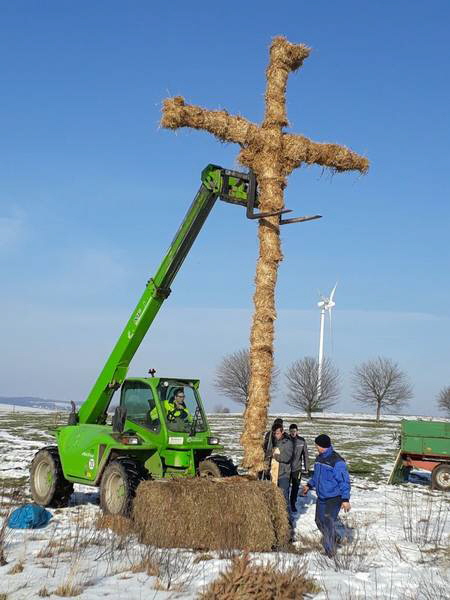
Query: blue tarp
point(29, 516)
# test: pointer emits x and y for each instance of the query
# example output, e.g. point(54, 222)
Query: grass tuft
point(17, 568)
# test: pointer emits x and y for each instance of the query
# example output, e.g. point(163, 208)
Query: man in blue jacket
point(332, 484)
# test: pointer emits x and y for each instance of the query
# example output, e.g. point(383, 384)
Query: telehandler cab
point(160, 428)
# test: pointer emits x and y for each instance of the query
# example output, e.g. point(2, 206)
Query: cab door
point(142, 413)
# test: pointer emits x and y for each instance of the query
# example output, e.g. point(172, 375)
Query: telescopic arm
point(215, 182)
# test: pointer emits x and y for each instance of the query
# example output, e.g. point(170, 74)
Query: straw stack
point(211, 514)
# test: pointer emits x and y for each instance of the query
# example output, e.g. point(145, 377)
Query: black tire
point(47, 482)
point(440, 477)
point(217, 465)
point(208, 468)
point(118, 486)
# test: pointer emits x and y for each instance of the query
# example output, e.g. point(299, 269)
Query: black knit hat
point(323, 440)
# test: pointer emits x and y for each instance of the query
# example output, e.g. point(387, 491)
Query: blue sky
point(92, 190)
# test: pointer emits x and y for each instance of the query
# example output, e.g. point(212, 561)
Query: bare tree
point(233, 376)
point(303, 384)
point(381, 383)
point(444, 400)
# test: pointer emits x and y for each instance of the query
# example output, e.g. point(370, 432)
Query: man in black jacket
point(299, 459)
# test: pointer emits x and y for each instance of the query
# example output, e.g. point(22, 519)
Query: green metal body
point(87, 446)
point(423, 445)
point(86, 449)
point(426, 438)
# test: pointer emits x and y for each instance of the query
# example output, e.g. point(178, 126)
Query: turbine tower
point(325, 304)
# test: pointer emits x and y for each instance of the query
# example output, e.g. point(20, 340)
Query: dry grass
point(206, 514)
point(44, 592)
point(9, 500)
point(307, 543)
point(118, 524)
point(202, 557)
point(423, 522)
point(17, 568)
point(147, 565)
point(429, 587)
point(62, 546)
point(68, 589)
point(354, 554)
point(244, 580)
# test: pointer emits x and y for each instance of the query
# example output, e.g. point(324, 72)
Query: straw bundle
point(244, 580)
point(211, 514)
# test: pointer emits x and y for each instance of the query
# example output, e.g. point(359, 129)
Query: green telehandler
point(159, 429)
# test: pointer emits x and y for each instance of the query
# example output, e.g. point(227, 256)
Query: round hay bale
point(211, 514)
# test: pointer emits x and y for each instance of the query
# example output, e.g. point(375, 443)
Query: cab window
point(181, 407)
point(138, 399)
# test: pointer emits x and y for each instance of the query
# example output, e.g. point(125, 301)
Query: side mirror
point(119, 418)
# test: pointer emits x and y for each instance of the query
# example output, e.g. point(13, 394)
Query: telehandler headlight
point(213, 441)
point(129, 440)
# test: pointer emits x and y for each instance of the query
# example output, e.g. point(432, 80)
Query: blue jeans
point(327, 510)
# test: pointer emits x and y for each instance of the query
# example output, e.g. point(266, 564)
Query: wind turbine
point(325, 304)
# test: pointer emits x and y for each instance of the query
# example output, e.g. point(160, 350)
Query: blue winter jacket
point(330, 478)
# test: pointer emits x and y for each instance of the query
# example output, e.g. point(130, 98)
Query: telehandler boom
point(160, 427)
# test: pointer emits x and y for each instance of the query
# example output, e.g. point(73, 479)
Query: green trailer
point(424, 445)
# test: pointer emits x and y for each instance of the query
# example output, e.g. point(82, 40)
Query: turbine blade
point(332, 293)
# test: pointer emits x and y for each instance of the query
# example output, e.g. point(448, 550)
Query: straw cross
point(272, 154)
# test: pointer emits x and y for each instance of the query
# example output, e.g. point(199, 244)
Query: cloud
point(92, 271)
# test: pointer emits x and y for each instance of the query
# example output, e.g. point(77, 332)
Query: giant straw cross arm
point(272, 154)
point(296, 149)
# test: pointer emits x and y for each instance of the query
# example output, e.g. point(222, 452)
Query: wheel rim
point(443, 478)
point(43, 478)
point(209, 470)
point(115, 493)
point(208, 473)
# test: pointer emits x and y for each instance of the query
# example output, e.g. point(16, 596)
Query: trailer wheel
point(440, 477)
point(118, 487)
point(217, 466)
point(47, 482)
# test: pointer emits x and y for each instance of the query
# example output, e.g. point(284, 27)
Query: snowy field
point(397, 537)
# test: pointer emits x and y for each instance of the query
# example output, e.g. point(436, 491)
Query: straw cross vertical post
point(272, 154)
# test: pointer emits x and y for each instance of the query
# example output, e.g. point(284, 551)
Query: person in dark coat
point(268, 446)
point(332, 484)
point(283, 452)
point(300, 461)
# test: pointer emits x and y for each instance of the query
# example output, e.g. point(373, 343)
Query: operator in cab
point(176, 408)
